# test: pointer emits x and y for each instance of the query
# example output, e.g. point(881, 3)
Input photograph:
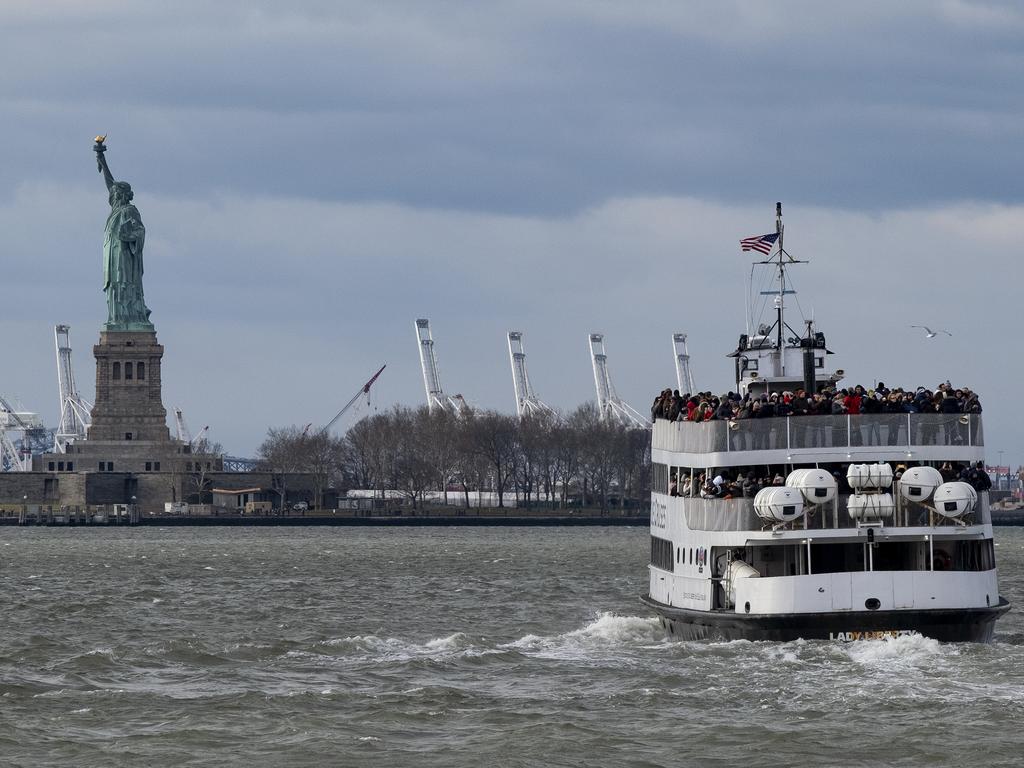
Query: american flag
point(762, 243)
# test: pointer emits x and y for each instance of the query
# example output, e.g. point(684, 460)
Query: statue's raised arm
point(101, 161)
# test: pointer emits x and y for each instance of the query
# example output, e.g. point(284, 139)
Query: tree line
point(547, 460)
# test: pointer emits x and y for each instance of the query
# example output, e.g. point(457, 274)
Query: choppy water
point(441, 647)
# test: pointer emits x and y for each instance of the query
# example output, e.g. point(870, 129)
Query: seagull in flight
point(930, 334)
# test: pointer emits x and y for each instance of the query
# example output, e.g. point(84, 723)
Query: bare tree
point(322, 458)
point(492, 437)
point(441, 433)
point(598, 442)
point(207, 458)
point(413, 451)
point(281, 455)
point(534, 465)
point(362, 453)
point(567, 448)
point(471, 466)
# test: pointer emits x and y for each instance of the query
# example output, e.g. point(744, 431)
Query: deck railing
point(893, 430)
point(739, 515)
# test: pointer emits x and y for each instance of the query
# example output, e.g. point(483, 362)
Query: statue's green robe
point(123, 243)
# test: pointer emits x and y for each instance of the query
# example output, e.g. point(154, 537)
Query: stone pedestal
point(129, 404)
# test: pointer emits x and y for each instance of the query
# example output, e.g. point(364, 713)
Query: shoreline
point(400, 521)
point(437, 518)
point(421, 518)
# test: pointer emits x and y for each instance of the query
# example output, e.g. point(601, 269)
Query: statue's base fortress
point(129, 457)
point(129, 406)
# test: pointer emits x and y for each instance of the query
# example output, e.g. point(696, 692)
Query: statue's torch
point(99, 148)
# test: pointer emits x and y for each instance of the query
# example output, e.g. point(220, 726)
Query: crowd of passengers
point(704, 406)
point(745, 482)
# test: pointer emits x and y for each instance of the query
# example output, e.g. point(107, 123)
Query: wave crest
point(908, 649)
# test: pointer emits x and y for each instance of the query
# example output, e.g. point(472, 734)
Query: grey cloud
point(529, 107)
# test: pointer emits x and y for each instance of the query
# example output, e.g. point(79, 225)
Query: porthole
point(746, 606)
point(872, 603)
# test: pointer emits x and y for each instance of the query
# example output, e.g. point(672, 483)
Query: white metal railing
point(738, 515)
point(892, 430)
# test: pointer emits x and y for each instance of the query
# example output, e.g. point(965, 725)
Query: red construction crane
point(363, 390)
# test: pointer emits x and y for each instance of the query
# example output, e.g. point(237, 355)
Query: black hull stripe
point(950, 625)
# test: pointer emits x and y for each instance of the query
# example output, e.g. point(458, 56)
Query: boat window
point(661, 554)
point(659, 478)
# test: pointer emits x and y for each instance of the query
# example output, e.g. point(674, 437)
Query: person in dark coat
point(892, 407)
point(977, 477)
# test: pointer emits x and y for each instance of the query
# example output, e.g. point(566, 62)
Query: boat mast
point(780, 301)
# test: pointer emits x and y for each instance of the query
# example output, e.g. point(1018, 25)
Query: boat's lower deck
point(945, 624)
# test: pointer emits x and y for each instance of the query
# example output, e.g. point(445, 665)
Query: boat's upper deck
point(802, 440)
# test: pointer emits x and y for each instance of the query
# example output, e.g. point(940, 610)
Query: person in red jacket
point(852, 403)
point(853, 400)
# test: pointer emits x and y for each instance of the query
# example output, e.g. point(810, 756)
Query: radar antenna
point(684, 377)
point(527, 402)
point(609, 404)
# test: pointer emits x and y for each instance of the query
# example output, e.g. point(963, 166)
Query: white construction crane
point(436, 398)
point(14, 458)
point(684, 378)
point(11, 459)
point(182, 431)
point(74, 410)
point(609, 404)
point(180, 427)
point(527, 402)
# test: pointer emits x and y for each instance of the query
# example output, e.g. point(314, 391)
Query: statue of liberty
point(123, 241)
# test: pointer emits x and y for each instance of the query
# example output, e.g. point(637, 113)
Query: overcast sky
point(314, 175)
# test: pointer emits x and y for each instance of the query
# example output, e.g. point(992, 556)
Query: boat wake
point(608, 632)
point(907, 651)
point(396, 649)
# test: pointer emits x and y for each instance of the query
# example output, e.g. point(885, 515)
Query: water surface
point(449, 646)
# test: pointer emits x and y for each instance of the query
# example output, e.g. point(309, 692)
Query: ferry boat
point(858, 537)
